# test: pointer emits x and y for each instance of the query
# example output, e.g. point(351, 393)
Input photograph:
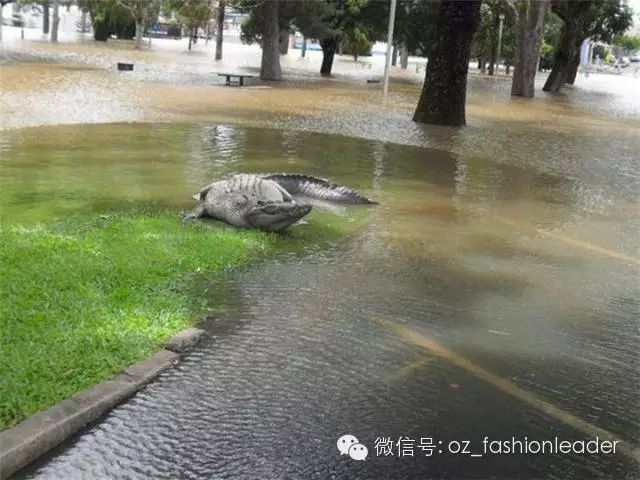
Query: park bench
point(239, 76)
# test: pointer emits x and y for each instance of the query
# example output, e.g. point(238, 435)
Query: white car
point(635, 57)
point(621, 62)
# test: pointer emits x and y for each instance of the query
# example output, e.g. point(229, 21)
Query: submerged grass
point(83, 299)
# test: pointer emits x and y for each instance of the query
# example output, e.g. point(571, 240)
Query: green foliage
point(596, 19)
point(251, 28)
point(417, 27)
point(481, 44)
point(415, 23)
point(628, 42)
point(192, 13)
point(546, 56)
point(508, 52)
point(82, 299)
point(317, 19)
point(109, 18)
point(550, 37)
point(485, 40)
point(354, 23)
point(601, 51)
point(355, 42)
point(331, 18)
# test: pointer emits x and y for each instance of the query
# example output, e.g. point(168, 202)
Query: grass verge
point(83, 299)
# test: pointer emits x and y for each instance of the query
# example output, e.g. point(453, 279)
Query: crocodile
point(271, 202)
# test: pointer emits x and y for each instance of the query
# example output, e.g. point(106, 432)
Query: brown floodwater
point(493, 292)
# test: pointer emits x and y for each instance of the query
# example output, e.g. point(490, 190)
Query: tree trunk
point(270, 67)
point(220, 28)
point(283, 42)
point(83, 20)
point(566, 51)
point(494, 44)
point(443, 96)
point(329, 47)
point(394, 55)
point(304, 47)
point(572, 69)
point(404, 56)
point(140, 27)
point(55, 21)
point(530, 25)
point(45, 18)
point(190, 36)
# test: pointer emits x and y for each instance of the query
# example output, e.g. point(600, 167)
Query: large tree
point(278, 14)
point(270, 65)
point(141, 12)
point(55, 22)
point(193, 14)
point(481, 43)
point(530, 25)
point(109, 17)
point(45, 17)
point(219, 28)
point(443, 96)
point(330, 22)
point(582, 19)
point(486, 41)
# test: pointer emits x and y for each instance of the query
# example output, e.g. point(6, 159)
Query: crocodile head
point(275, 216)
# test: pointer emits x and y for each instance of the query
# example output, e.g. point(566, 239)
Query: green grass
point(84, 298)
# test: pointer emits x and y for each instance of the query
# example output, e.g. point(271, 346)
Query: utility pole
point(387, 65)
point(501, 17)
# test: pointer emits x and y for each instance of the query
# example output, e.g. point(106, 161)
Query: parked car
point(166, 30)
point(623, 62)
point(635, 57)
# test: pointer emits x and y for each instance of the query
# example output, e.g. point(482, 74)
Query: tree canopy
point(594, 19)
point(628, 42)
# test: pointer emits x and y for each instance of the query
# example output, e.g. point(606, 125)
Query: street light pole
point(387, 65)
point(501, 17)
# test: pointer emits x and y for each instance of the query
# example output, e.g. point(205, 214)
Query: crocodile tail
point(318, 188)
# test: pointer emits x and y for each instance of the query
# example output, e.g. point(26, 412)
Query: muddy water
point(493, 292)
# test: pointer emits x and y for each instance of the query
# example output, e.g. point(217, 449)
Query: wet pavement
point(492, 293)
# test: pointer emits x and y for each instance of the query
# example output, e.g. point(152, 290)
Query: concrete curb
point(36, 435)
point(184, 340)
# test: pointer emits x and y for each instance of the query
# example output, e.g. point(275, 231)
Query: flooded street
point(493, 292)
